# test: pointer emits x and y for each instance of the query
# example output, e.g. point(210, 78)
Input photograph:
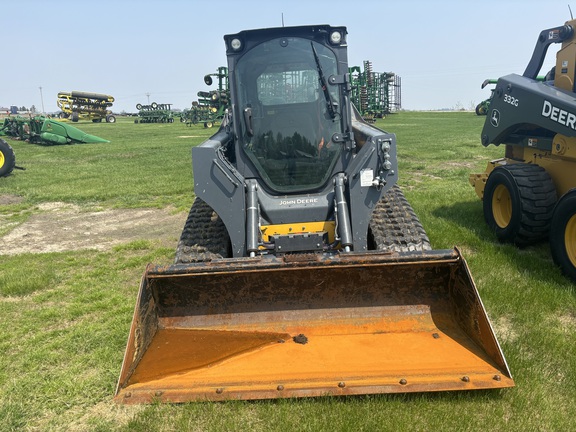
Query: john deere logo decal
point(495, 118)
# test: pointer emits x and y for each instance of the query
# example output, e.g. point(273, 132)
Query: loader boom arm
point(547, 37)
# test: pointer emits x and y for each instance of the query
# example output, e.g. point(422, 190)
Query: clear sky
point(442, 49)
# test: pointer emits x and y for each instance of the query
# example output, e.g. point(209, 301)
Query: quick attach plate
point(303, 242)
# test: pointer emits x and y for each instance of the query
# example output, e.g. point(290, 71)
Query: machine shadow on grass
point(468, 215)
point(476, 395)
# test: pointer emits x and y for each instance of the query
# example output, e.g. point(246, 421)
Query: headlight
point(236, 44)
point(335, 37)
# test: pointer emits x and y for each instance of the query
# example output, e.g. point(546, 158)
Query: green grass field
point(64, 317)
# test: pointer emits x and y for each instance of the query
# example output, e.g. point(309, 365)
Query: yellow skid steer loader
point(529, 195)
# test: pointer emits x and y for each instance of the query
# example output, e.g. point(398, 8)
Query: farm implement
point(154, 113)
point(374, 94)
point(211, 105)
point(77, 106)
point(43, 130)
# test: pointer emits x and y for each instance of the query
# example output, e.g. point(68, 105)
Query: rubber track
point(204, 236)
point(537, 197)
point(394, 225)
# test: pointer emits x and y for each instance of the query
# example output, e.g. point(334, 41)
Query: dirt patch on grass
point(7, 199)
point(563, 323)
point(460, 164)
point(505, 330)
point(107, 411)
point(60, 227)
point(568, 322)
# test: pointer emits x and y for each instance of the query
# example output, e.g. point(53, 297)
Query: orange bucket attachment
point(312, 325)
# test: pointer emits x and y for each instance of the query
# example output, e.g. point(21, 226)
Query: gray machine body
point(550, 110)
point(528, 111)
point(227, 174)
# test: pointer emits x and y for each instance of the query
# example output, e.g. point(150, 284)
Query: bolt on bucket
point(299, 326)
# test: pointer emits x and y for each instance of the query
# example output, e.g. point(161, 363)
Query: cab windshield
point(286, 125)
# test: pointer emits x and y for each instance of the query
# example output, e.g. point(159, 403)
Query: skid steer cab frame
point(293, 168)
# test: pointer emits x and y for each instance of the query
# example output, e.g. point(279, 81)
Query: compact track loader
point(302, 270)
point(530, 194)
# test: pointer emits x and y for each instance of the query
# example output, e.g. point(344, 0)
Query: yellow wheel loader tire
point(7, 159)
point(518, 203)
point(502, 206)
point(563, 234)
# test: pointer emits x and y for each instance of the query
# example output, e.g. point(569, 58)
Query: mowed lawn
point(65, 316)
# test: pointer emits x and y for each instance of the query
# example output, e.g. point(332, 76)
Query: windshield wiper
point(323, 84)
